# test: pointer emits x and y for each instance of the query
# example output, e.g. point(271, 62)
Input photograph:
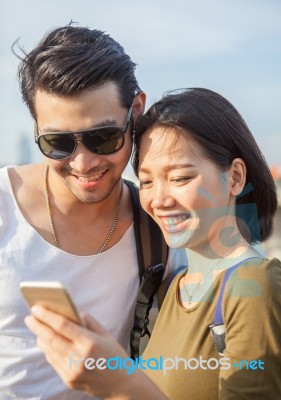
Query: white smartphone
point(51, 295)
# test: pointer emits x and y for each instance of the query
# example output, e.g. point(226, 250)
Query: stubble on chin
point(93, 196)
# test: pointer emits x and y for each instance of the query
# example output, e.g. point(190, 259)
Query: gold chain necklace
point(51, 218)
point(190, 296)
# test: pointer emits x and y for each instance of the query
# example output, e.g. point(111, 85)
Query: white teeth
point(175, 220)
point(91, 179)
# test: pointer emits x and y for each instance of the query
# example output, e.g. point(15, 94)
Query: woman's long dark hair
point(219, 129)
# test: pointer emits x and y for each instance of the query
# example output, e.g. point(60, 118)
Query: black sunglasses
point(99, 140)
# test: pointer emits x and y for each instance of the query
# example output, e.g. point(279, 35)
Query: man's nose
point(83, 159)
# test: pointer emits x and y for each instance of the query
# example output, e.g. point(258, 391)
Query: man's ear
point(139, 104)
point(237, 174)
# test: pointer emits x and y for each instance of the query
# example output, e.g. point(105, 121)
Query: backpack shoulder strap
point(152, 254)
point(217, 328)
point(151, 246)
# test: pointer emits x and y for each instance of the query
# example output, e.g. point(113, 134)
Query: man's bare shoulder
point(26, 182)
point(24, 175)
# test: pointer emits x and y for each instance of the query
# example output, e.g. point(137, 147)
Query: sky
point(230, 46)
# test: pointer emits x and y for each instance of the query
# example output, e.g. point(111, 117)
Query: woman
point(205, 182)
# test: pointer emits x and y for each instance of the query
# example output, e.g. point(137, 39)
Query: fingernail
point(36, 310)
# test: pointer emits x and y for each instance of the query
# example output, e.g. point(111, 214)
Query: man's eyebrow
point(169, 167)
point(107, 122)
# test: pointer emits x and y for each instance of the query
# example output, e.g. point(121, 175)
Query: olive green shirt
point(250, 367)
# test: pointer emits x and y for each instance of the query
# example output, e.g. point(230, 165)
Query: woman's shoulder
point(260, 269)
point(259, 278)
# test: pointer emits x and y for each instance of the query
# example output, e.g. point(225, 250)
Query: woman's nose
point(162, 198)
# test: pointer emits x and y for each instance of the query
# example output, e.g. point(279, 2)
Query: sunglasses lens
point(56, 146)
point(100, 141)
point(104, 140)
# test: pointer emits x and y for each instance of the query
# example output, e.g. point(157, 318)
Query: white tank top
point(104, 285)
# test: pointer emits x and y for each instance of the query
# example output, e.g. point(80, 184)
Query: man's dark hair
point(71, 59)
point(214, 123)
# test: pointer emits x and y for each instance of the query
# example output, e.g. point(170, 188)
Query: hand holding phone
point(51, 295)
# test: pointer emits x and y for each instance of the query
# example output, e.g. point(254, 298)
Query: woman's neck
point(202, 262)
point(203, 270)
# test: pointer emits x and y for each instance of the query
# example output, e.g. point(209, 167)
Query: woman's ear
point(237, 174)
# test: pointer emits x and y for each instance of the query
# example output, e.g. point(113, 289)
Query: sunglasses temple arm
point(35, 132)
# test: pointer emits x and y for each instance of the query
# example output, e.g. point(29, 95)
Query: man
point(70, 218)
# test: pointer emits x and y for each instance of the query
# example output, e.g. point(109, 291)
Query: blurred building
point(24, 150)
